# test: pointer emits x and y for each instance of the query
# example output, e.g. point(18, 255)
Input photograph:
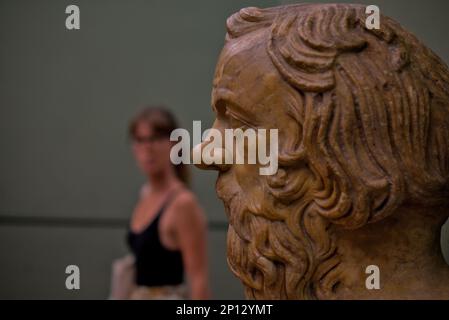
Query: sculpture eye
point(236, 122)
point(220, 107)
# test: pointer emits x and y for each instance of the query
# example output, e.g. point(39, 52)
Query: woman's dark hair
point(163, 122)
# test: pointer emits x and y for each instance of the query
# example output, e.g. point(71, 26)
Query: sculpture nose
point(213, 159)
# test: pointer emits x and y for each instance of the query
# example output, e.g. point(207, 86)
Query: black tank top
point(155, 265)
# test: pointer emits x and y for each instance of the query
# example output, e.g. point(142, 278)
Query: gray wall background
point(68, 181)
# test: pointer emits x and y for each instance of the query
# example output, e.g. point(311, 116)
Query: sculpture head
point(363, 120)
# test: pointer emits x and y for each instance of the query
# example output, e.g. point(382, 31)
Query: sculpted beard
point(279, 248)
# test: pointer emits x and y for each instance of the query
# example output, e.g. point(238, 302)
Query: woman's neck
point(405, 247)
point(164, 181)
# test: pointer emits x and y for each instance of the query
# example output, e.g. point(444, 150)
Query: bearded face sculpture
point(363, 177)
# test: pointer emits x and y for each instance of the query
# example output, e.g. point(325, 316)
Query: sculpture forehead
point(245, 71)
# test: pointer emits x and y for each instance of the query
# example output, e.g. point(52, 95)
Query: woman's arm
point(191, 230)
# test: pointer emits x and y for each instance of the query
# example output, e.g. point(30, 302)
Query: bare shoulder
point(185, 197)
point(186, 206)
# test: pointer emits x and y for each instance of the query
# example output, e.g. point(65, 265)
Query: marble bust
point(363, 177)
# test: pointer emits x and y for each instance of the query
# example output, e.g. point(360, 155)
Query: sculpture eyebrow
point(234, 108)
point(239, 118)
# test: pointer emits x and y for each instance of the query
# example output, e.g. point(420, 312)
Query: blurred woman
point(167, 231)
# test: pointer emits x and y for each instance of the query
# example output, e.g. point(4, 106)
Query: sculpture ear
point(290, 184)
